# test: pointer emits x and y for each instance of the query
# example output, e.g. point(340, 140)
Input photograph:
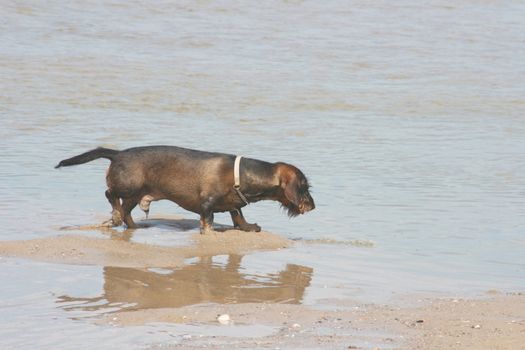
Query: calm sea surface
point(408, 117)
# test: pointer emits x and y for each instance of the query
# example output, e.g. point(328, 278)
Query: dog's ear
point(289, 184)
point(290, 191)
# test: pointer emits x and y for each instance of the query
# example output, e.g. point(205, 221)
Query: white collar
point(237, 178)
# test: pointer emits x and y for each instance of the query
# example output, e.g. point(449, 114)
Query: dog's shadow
point(178, 224)
point(124, 233)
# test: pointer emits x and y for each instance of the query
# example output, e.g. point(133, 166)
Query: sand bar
point(84, 250)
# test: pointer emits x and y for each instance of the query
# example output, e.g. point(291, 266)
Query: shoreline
point(495, 322)
point(266, 317)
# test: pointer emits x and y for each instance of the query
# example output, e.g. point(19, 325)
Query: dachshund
point(201, 182)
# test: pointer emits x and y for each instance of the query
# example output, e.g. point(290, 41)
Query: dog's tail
point(96, 153)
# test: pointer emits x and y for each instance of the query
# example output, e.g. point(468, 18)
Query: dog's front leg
point(240, 222)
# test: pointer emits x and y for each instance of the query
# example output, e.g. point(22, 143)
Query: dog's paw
point(207, 230)
point(250, 227)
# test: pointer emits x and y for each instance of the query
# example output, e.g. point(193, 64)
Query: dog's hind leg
point(206, 223)
point(240, 222)
point(117, 213)
point(127, 206)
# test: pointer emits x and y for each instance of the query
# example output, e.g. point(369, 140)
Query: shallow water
point(407, 118)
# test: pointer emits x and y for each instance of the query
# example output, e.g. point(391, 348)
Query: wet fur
point(198, 181)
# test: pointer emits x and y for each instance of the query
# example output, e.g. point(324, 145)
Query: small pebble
point(223, 319)
point(476, 326)
point(296, 325)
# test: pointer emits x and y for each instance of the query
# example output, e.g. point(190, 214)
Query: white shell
point(224, 319)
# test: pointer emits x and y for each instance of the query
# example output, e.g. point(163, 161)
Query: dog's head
point(294, 192)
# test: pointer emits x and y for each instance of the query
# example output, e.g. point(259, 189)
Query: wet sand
point(496, 321)
point(83, 250)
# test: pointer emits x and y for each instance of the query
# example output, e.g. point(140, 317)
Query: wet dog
point(201, 182)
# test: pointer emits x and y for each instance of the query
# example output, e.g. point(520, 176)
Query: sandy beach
point(495, 322)
point(492, 321)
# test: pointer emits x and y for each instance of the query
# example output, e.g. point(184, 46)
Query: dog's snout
point(306, 207)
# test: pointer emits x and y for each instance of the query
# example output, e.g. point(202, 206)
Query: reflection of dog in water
point(202, 182)
point(197, 283)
